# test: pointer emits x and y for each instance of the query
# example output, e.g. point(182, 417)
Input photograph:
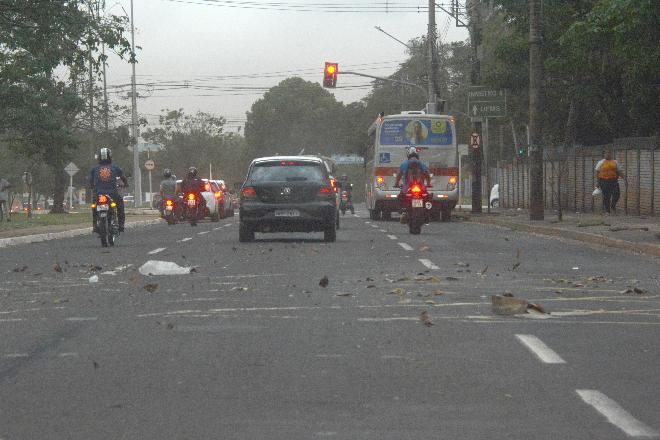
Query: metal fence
point(570, 175)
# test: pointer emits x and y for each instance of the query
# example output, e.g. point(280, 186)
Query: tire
point(245, 233)
point(495, 203)
point(337, 219)
point(415, 226)
point(372, 214)
point(435, 215)
point(445, 214)
point(330, 233)
point(215, 217)
point(352, 210)
point(103, 232)
point(170, 220)
point(343, 212)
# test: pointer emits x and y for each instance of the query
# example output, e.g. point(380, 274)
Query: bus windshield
point(419, 131)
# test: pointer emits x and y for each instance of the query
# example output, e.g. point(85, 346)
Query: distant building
point(347, 159)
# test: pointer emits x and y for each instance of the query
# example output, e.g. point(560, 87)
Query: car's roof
point(279, 158)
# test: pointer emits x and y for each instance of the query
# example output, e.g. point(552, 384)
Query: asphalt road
point(401, 344)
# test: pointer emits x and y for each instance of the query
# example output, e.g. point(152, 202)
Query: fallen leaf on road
point(403, 279)
point(57, 268)
point(344, 294)
point(508, 294)
point(451, 278)
point(239, 289)
point(369, 279)
point(60, 300)
point(170, 326)
point(151, 287)
point(96, 365)
point(324, 281)
point(461, 264)
point(515, 266)
point(638, 290)
point(438, 293)
point(370, 286)
point(484, 270)
point(536, 307)
point(425, 318)
point(20, 269)
point(425, 248)
point(626, 291)
point(430, 301)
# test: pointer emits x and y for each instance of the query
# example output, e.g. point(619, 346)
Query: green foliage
point(197, 140)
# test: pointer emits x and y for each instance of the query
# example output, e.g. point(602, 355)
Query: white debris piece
point(94, 279)
point(155, 267)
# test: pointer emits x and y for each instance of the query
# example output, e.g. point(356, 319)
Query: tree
point(40, 114)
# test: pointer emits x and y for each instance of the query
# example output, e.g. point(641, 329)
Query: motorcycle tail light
point(169, 203)
point(380, 180)
point(416, 189)
point(103, 199)
point(453, 180)
point(113, 205)
point(248, 192)
point(191, 196)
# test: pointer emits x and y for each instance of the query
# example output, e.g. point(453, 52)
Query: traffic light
point(330, 75)
point(522, 151)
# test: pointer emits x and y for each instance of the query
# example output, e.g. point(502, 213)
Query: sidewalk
point(51, 232)
point(634, 234)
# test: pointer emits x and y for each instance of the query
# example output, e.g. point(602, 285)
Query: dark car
point(287, 194)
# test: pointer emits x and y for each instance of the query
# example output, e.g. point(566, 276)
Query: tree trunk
point(60, 189)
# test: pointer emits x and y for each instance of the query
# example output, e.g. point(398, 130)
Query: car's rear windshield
point(287, 171)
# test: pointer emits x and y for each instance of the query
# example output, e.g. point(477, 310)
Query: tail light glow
point(416, 189)
point(325, 190)
point(103, 199)
point(248, 192)
point(380, 180)
point(191, 196)
point(207, 187)
point(169, 202)
point(113, 205)
point(453, 180)
point(218, 194)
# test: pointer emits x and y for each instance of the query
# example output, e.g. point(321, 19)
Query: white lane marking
point(218, 228)
point(77, 318)
point(392, 237)
point(156, 251)
point(227, 225)
point(203, 232)
point(374, 226)
point(68, 354)
point(367, 223)
point(406, 246)
point(542, 351)
point(428, 263)
point(398, 318)
point(382, 230)
point(12, 320)
point(15, 355)
point(185, 239)
point(616, 415)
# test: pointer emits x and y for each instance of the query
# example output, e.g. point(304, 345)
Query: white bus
point(435, 139)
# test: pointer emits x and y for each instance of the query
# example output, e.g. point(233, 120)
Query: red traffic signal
point(330, 75)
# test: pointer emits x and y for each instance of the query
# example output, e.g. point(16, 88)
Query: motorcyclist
point(345, 185)
point(193, 184)
point(103, 180)
point(167, 188)
point(413, 169)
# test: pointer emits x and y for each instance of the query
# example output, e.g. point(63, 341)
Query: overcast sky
point(228, 51)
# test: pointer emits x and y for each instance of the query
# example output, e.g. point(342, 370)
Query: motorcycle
point(107, 220)
point(416, 203)
point(193, 209)
point(171, 211)
point(346, 201)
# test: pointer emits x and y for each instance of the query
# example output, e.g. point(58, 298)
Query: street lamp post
point(137, 177)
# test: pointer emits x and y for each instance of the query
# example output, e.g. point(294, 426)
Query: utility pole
point(105, 81)
point(431, 107)
point(536, 95)
point(475, 36)
point(137, 177)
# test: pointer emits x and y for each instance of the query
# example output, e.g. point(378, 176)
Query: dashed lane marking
point(406, 246)
point(156, 251)
point(392, 237)
point(203, 232)
point(616, 415)
point(540, 349)
point(382, 230)
point(84, 318)
point(428, 263)
point(185, 239)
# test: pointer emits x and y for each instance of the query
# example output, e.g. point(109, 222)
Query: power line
point(300, 7)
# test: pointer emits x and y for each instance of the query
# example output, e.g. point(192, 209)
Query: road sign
point(475, 140)
point(149, 165)
point(486, 102)
point(71, 169)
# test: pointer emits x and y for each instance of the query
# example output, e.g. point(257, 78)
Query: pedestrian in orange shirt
point(608, 182)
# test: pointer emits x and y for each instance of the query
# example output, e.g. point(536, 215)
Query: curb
point(37, 238)
point(585, 237)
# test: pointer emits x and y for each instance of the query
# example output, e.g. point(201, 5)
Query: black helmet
point(192, 172)
point(104, 155)
point(167, 173)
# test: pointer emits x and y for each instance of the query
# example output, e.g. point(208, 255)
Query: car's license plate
point(287, 213)
point(192, 202)
point(101, 207)
point(417, 203)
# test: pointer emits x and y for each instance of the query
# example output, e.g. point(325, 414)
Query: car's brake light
point(380, 180)
point(325, 190)
point(453, 180)
point(207, 187)
point(103, 199)
point(248, 192)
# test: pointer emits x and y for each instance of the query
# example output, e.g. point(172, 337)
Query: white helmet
point(412, 151)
